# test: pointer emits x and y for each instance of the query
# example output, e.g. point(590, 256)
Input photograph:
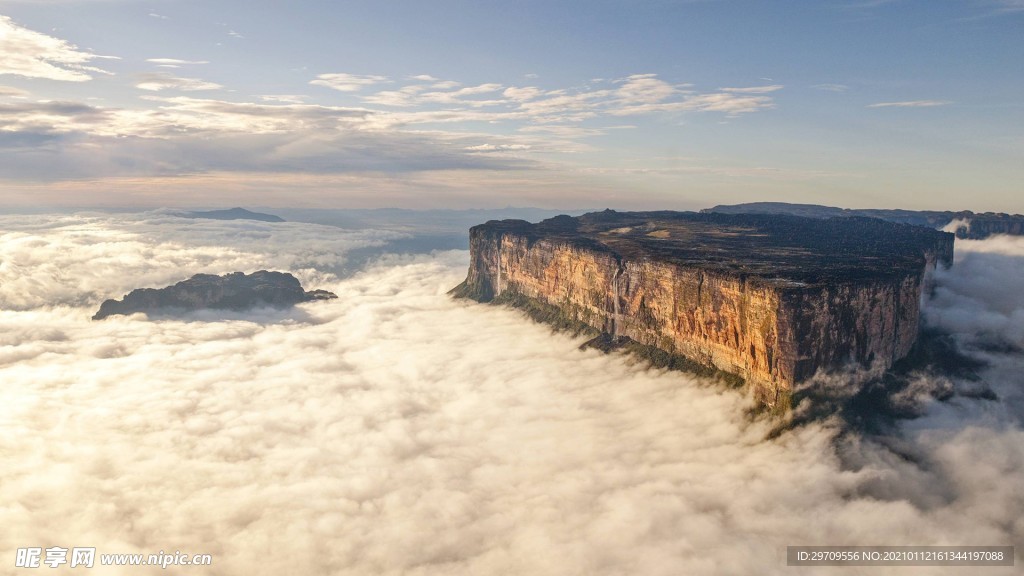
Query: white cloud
point(910, 104)
point(645, 89)
point(403, 97)
point(462, 96)
point(84, 260)
point(162, 81)
point(283, 98)
point(176, 62)
point(498, 147)
point(522, 94)
point(396, 431)
point(31, 54)
point(347, 82)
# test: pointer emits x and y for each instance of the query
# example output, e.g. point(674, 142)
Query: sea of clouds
point(397, 431)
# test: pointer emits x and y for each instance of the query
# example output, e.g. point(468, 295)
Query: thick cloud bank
point(396, 431)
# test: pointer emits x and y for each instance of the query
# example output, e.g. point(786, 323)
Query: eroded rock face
point(769, 298)
point(235, 291)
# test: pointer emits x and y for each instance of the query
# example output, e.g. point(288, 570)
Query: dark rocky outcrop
point(771, 299)
point(235, 291)
point(968, 225)
point(234, 214)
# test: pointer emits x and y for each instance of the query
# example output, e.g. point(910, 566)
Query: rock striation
point(771, 299)
point(965, 224)
point(235, 291)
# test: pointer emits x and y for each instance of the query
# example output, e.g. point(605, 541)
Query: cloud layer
point(395, 431)
point(366, 123)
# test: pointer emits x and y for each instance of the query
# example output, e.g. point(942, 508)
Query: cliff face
point(980, 226)
point(741, 294)
point(235, 291)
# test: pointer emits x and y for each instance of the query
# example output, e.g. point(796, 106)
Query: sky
point(675, 104)
point(395, 430)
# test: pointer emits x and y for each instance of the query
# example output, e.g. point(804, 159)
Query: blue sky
point(452, 104)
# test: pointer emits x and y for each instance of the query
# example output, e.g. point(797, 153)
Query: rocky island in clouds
point(236, 291)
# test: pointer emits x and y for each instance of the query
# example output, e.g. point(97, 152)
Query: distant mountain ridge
point(970, 225)
point(234, 214)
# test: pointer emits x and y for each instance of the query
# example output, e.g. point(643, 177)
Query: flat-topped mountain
point(234, 214)
point(969, 225)
point(235, 291)
point(771, 299)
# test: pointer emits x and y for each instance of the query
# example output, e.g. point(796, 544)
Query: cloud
point(9, 92)
point(644, 89)
point(175, 62)
point(418, 126)
point(31, 54)
point(403, 97)
point(347, 82)
point(156, 82)
point(498, 148)
point(396, 431)
point(522, 94)
point(910, 104)
point(832, 87)
point(1007, 6)
point(283, 98)
point(754, 89)
point(190, 135)
point(978, 299)
point(461, 96)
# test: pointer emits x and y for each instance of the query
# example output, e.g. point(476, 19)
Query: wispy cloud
point(283, 98)
point(637, 94)
point(871, 3)
point(347, 82)
point(498, 147)
point(754, 89)
point(832, 87)
point(175, 61)
point(425, 125)
point(910, 104)
point(161, 81)
point(31, 54)
point(1007, 5)
point(9, 92)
